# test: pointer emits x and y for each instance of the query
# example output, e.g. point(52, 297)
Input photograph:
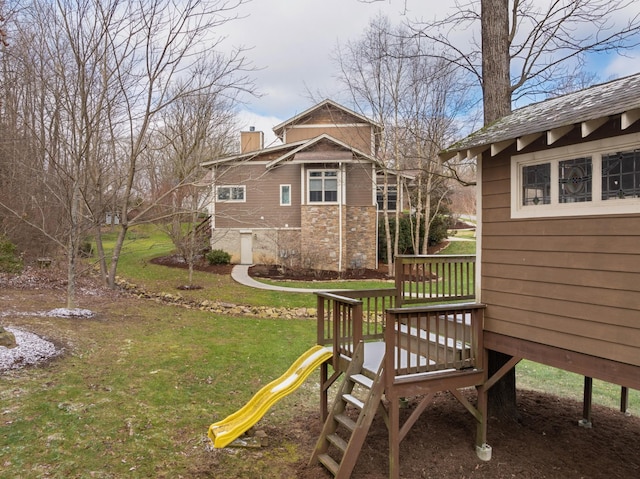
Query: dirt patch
point(546, 443)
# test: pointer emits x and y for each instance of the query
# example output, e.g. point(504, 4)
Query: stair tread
point(345, 421)
point(362, 380)
point(337, 441)
point(353, 401)
point(327, 461)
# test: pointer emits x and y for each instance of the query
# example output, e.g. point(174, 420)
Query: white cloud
point(622, 65)
point(291, 42)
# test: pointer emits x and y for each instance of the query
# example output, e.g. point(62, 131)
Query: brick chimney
point(251, 140)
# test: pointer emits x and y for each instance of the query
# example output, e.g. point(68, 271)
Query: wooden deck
point(414, 351)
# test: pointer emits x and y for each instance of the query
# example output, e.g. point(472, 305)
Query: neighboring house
point(559, 231)
point(310, 201)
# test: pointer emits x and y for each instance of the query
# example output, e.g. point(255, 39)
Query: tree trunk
point(496, 81)
point(496, 89)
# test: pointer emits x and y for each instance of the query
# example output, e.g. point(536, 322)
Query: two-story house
point(310, 201)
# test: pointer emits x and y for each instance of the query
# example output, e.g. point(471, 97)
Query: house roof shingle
point(599, 101)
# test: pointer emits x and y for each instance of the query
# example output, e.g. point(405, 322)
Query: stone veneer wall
point(267, 244)
point(320, 237)
point(362, 232)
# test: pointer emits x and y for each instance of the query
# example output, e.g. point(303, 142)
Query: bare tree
point(195, 128)
point(388, 75)
point(532, 49)
point(99, 76)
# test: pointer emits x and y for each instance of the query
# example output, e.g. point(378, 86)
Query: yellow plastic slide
point(224, 432)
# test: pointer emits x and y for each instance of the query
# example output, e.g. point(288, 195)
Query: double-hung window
point(586, 179)
point(323, 186)
point(231, 194)
point(392, 197)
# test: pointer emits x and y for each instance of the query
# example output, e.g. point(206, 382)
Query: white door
point(246, 247)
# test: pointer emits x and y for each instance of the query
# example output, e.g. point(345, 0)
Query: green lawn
point(141, 382)
point(138, 389)
point(148, 242)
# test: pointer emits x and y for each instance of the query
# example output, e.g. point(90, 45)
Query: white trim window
point(231, 194)
point(285, 195)
point(392, 197)
point(593, 178)
point(322, 186)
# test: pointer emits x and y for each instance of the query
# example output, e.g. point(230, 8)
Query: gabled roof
point(289, 150)
point(279, 129)
point(590, 108)
point(253, 154)
point(309, 143)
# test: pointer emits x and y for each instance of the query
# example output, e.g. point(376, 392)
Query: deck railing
point(425, 279)
point(347, 317)
point(426, 339)
point(419, 339)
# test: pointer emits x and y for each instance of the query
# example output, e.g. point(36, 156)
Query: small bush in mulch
point(218, 256)
point(277, 272)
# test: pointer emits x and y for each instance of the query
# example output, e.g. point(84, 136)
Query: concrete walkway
point(240, 274)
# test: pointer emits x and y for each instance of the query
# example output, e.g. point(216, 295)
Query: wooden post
point(586, 408)
point(624, 399)
point(399, 270)
point(324, 392)
point(394, 437)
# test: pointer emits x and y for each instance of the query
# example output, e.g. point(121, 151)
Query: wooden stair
point(342, 437)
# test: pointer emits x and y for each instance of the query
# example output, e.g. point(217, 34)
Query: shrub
point(437, 233)
point(218, 256)
point(10, 262)
point(85, 250)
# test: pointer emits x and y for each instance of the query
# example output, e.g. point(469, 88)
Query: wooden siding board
point(588, 244)
point(608, 350)
point(584, 262)
point(593, 329)
point(262, 206)
point(605, 280)
point(495, 201)
point(359, 185)
point(569, 293)
point(628, 225)
point(358, 137)
point(523, 305)
point(496, 214)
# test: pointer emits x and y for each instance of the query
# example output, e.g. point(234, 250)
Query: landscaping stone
point(7, 339)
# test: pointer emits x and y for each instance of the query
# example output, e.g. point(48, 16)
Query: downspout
point(342, 198)
point(375, 202)
point(477, 279)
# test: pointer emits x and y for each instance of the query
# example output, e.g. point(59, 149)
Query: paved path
point(240, 273)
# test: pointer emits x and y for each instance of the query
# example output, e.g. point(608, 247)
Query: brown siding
point(262, 206)
point(358, 137)
point(359, 184)
point(573, 283)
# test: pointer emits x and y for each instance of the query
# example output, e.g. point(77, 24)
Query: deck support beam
point(394, 437)
point(508, 366)
point(325, 383)
point(415, 415)
point(586, 405)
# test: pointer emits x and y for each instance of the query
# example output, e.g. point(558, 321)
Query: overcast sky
point(292, 42)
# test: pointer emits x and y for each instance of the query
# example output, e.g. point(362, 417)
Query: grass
point(145, 243)
point(138, 391)
point(141, 383)
point(538, 377)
